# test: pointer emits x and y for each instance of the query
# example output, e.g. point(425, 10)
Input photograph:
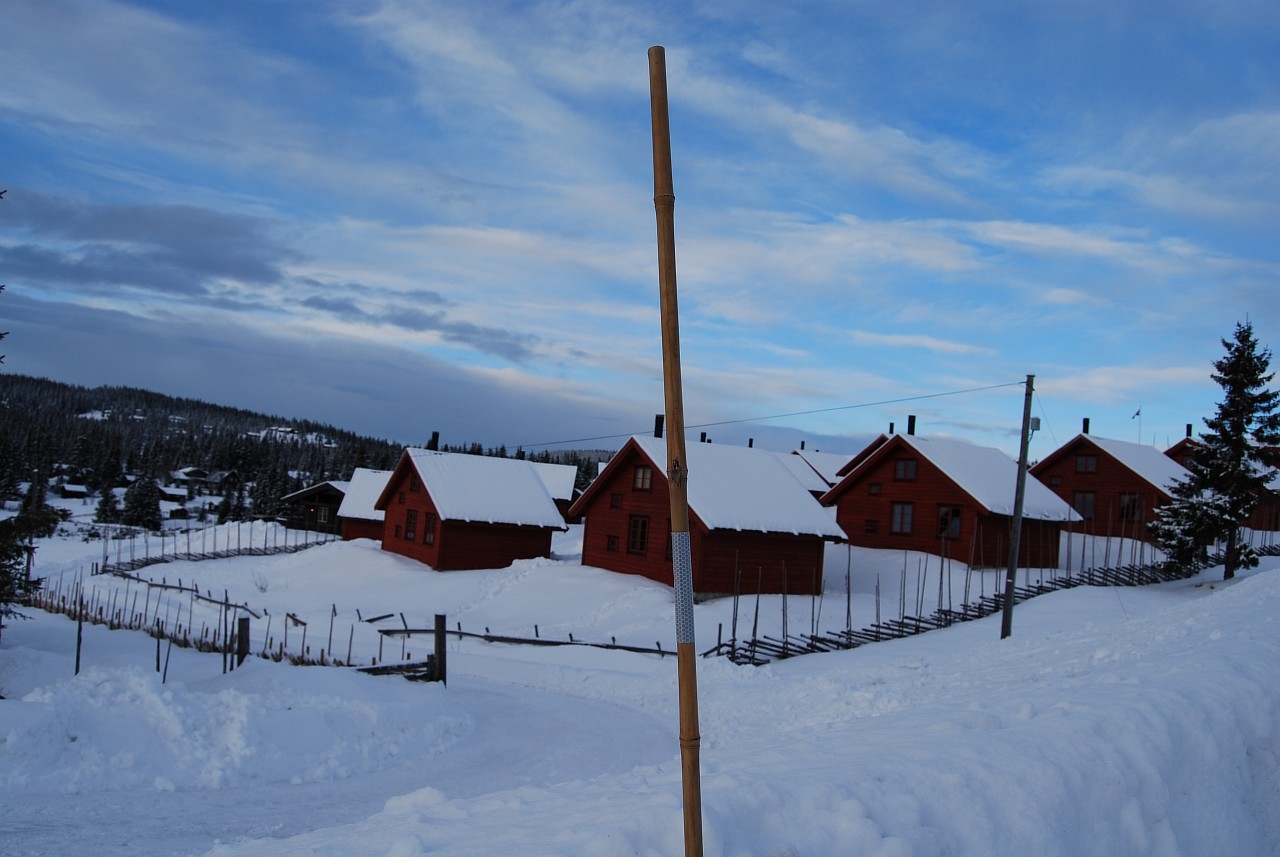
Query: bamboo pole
point(664, 201)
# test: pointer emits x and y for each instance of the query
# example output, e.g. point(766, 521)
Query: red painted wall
point(360, 528)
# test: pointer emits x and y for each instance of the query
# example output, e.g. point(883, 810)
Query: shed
point(946, 497)
point(752, 525)
point(457, 511)
point(1114, 485)
point(315, 508)
point(357, 517)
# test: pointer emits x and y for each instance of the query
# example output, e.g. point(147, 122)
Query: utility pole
point(1015, 537)
point(664, 203)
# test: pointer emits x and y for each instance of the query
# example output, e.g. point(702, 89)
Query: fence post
point(441, 673)
point(242, 639)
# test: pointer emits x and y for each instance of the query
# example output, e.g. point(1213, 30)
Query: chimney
point(891, 428)
point(657, 425)
point(703, 439)
point(434, 443)
point(1188, 431)
point(911, 424)
point(801, 446)
point(1084, 428)
point(751, 442)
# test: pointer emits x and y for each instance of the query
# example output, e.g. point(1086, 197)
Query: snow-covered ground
point(1141, 721)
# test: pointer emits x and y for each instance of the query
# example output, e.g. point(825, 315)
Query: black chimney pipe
point(434, 443)
point(657, 425)
point(911, 424)
point(1084, 429)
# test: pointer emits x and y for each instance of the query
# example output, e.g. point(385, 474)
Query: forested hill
point(94, 436)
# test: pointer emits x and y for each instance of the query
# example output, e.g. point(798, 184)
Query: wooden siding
point(316, 510)
point(361, 528)
point(1109, 482)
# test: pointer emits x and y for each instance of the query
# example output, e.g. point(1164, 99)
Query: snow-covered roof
point(827, 464)
point(560, 479)
point(737, 488)
point(803, 472)
point(987, 475)
point(1146, 461)
point(486, 489)
point(362, 492)
point(338, 485)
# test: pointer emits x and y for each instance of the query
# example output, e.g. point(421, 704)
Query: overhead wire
point(897, 401)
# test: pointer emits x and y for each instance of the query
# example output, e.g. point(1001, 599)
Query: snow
point(1135, 721)
point(362, 492)
point(827, 464)
point(739, 488)
point(485, 488)
point(559, 479)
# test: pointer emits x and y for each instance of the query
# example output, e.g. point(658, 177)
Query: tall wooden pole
point(1019, 495)
point(664, 203)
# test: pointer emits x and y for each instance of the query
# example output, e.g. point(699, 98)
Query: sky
point(406, 217)
point(1119, 722)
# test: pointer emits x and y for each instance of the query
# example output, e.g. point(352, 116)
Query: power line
point(785, 416)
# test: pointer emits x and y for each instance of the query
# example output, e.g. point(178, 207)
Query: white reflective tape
point(682, 568)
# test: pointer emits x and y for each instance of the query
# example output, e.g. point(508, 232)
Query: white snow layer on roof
point(827, 464)
point(991, 478)
point(1146, 461)
point(486, 489)
point(559, 478)
point(736, 488)
point(362, 492)
point(803, 472)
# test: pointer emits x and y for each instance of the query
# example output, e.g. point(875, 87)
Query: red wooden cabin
point(457, 511)
point(946, 497)
point(1114, 485)
point(752, 525)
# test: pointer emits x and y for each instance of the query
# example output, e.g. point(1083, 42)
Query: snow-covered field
point(1113, 722)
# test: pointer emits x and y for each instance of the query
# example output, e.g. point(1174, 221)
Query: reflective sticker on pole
point(682, 566)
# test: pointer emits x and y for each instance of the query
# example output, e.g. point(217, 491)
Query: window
point(643, 478)
point(900, 523)
point(397, 531)
point(638, 535)
point(873, 489)
point(1086, 464)
point(949, 522)
point(611, 544)
point(869, 525)
point(1055, 481)
point(1082, 502)
point(429, 529)
point(401, 498)
point(904, 470)
point(413, 483)
point(411, 524)
point(615, 501)
point(322, 514)
point(1130, 507)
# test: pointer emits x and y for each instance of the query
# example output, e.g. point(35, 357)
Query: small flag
point(1136, 414)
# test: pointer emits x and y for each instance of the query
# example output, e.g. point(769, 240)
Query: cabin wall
point(361, 528)
point(728, 561)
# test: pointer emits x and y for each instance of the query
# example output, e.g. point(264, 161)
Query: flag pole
point(664, 203)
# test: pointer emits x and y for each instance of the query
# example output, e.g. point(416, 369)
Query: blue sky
point(406, 217)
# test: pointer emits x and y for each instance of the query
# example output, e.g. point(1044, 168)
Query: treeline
point(107, 437)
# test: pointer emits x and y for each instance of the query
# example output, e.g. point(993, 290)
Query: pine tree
point(108, 511)
point(142, 505)
point(1236, 460)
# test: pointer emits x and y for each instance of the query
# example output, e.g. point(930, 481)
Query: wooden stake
point(664, 201)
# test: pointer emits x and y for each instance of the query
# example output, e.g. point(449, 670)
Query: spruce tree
point(1236, 460)
point(142, 505)
point(108, 511)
